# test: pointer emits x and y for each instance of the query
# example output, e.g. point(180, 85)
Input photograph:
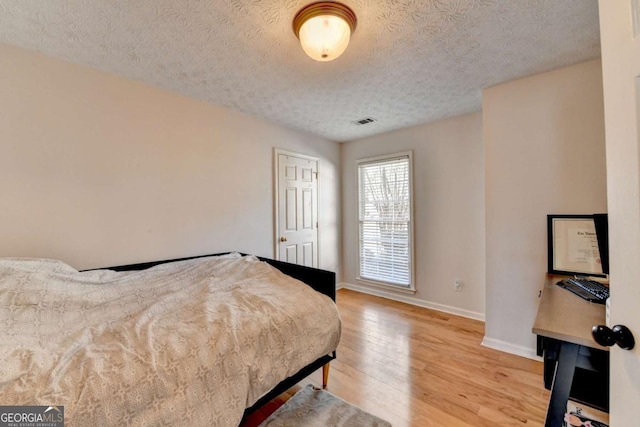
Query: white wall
point(99, 170)
point(544, 154)
point(448, 208)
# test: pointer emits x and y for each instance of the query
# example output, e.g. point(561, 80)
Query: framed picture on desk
point(573, 245)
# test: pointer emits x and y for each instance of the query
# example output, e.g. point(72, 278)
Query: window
point(385, 211)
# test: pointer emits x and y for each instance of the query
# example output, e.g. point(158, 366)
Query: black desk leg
point(567, 359)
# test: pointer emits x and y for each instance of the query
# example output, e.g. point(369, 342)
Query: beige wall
point(544, 154)
point(98, 170)
point(448, 208)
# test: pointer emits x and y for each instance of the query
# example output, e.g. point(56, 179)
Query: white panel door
point(621, 77)
point(297, 209)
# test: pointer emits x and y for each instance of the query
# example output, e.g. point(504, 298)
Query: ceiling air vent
point(364, 121)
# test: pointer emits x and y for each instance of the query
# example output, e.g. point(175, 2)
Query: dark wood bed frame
point(322, 281)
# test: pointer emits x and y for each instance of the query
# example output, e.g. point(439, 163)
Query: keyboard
point(586, 289)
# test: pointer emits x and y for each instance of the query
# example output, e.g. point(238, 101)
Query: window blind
point(384, 197)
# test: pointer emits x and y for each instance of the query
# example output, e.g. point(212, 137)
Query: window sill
point(411, 290)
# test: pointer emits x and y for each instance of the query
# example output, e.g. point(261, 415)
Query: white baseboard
point(339, 286)
point(412, 300)
point(518, 350)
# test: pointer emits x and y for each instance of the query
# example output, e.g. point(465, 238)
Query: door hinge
point(316, 224)
point(316, 174)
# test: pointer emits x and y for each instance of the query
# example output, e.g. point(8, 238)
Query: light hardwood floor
point(418, 367)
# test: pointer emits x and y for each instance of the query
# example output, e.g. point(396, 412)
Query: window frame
point(384, 285)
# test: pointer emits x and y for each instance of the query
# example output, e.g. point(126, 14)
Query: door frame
point(621, 85)
point(276, 196)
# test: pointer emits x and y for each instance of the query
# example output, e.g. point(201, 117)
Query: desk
point(563, 326)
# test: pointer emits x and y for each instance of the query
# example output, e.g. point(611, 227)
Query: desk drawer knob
point(620, 335)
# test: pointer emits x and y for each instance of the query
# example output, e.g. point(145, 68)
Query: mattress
point(185, 343)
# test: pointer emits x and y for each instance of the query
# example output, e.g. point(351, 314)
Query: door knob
point(619, 334)
point(283, 239)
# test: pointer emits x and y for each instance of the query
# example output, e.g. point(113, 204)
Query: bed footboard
point(322, 281)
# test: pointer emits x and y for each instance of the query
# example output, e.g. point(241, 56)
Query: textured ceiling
point(409, 61)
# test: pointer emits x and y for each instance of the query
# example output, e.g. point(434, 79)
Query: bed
point(193, 341)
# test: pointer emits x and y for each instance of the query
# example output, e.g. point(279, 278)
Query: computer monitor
point(601, 222)
point(578, 244)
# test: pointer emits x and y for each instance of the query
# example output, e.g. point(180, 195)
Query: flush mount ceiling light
point(324, 29)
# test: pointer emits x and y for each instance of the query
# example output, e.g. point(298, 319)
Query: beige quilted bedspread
point(190, 343)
